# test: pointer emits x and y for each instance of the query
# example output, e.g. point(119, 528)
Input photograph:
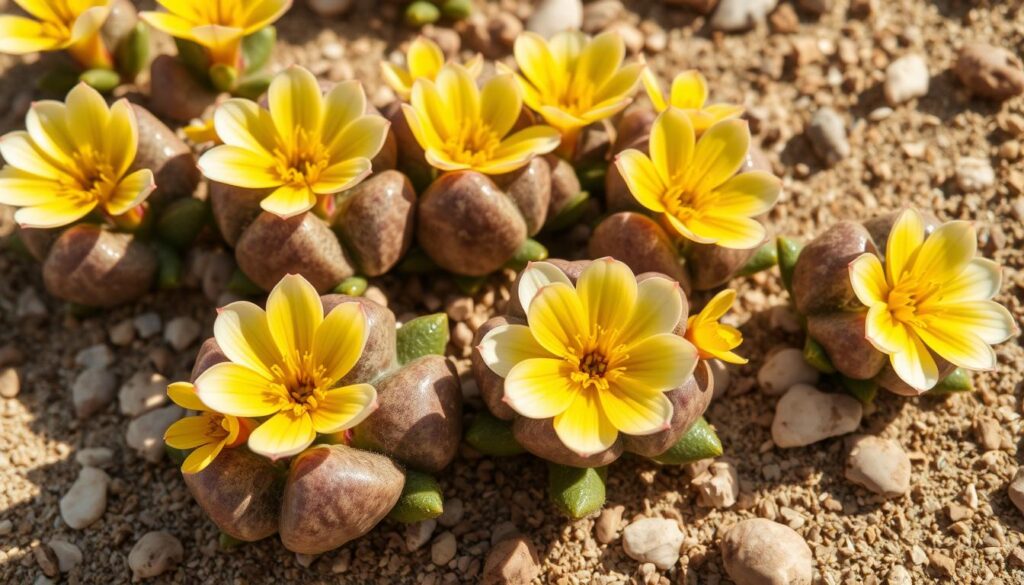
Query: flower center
point(302, 162)
point(594, 360)
point(217, 426)
point(305, 383)
point(91, 177)
point(473, 145)
point(905, 299)
point(223, 12)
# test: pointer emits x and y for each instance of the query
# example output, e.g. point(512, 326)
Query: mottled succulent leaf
point(194, 57)
point(764, 258)
point(257, 48)
point(223, 77)
point(353, 286)
point(252, 87)
point(427, 335)
point(421, 13)
point(863, 390)
point(102, 80)
point(421, 499)
point(814, 354)
point(240, 284)
point(958, 381)
point(457, 9)
point(170, 271)
point(492, 436)
point(469, 285)
point(181, 222)
point(788, 252)
point(530, 251)
point(699, 442)
point(416, 261)
point(576, 492)
point(570, 214)
point(132, 54)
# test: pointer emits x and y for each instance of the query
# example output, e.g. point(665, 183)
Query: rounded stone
point(271, 248)
point(990, 72)
point(234, 208)
point(565, 185)
point(335, 494)
point(379, 352)
point(98, 268)
point(538, 437)
point(880, 465)
point(419, 415)
point(821, 275)
point(376, 220)
point(689, 402)
point(640, 242)
point(530, 189)
point(490, 384)
point(240, 492)
point(761, 552)
point(467, 225)
point(171, 160)
point(175, 93)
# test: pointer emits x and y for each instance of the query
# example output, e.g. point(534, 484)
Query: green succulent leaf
point(170, 267)
point(426, 335)
point(492, 436)
point(699, 442)
point(469, 285)
point(958, 381)
point(863, 390)
point(58, 80)
point(177, 456)
point(181, 222)
point(416, 261)
point(592, 176)
point(193, 56)
point(257, 48)
point(530, 251)
point(421, 499)
point(252, 86)
point(241, 284)
point(353, 286)
point(228, 542)
point(457, 9)
point(102, 80)
point(570, 214)
point(576, 492)
point(764, 258)
point(421, 13)
point(223, 77)
point(789, 251)
point(814, 354)
point(132, 54)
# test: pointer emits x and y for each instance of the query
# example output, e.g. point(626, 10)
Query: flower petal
point(657, 310)
point(341, 176)
point(397, 78)
point(424, 58)
point(21, 189)
point(536, 276)
point(171, 24)
point(242, 333)
point(658, 363)
point(557, 318)
point(946, 252)
point(598, 61)
point(584, 427)
point(607, 288)
point(980, 280)
point(989, 320)
point(343, 105)
point(915, 365)
point(634, 410)
point(905, 238)
point(239, 391)
point(642, 178)
point(507, 345)
point(339, 340)
point(289, 200)
point(501, 101)
point(241, 167)
point(184, 395)
point(516, 150)
point(689, 90)
point(57, 213)
point(131, 192)
point(344, 408)
point(20, 35)
point(956, 344)
point(672, 144)
point(88, 117)
point(121, 138)
point(244, 124)
point(285, 434)
point(263, 13)
point(616, 93)
point(47, 125)
point(867, 278)
point(720, 152)
point(295, 104)
point(749, 194)
point(294, 312)
point(363, 138)
point(18, 151)
point(190, 432)
point(540, 388)
point(653, 88)
point(738, 233)
point(884, 332)
point(460, 95)
point(202, 457)
point(535, 61)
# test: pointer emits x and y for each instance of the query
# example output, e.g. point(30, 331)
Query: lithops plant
point(104, 39)
point(304, 207)
point(688, 191)
point(591, 362)
point(85, 176)
point(316, 420)
point(222, 48)
point(899, 301)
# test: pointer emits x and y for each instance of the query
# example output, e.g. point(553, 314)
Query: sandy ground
point(908, 157)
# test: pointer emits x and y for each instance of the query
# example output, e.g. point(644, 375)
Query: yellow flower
point(424, 61)
point(573, 80)
point(206, 434)
point(598, 357)
point(202, 131)
point(932, 294)
point(694, 185)
point(217, 25)
point(285, 363)
point(690, 94)
point(60, 24)
point(306, 146)
point(711, 338)
point(462, 127)
point(73, 158)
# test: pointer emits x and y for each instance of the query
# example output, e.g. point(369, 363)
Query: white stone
point(180, 332)
point(143, 392)
point(146, 433)
point(653, 540)
point(122, 333)
point(974, 174)
point(443, 550)
point(718, 486)
point(1016, 489)
point(92, 390)
point(154, 553)
point(759, 551)
point(805, 415)
point(880, 465)
point(740, 15)
point(86, 501)
point(95, 457)
point(68, 555)
point(147, 324)
point(906, 78)
point(552, 16)
point(827, 133)
point(783, 370)
point(95, 356)
point(418, 534)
